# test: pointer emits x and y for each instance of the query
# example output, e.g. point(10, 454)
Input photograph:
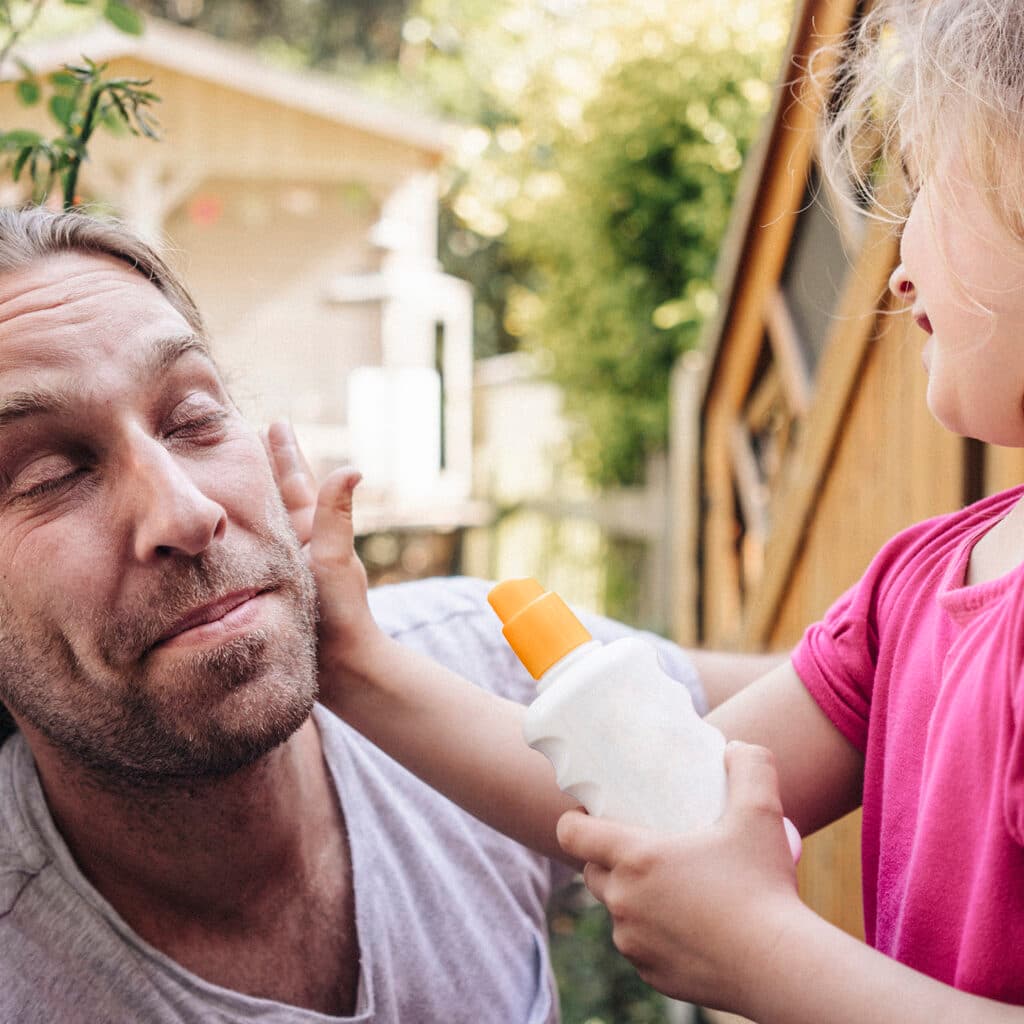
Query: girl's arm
point(466, 742)
point(463, 741)
point(714, 918)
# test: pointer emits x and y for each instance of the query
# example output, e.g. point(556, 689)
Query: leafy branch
point(81, 100)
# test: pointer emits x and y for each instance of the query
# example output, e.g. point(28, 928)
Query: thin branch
point(17, 31)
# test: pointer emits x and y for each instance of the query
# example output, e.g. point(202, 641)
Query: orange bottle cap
point(538, 626)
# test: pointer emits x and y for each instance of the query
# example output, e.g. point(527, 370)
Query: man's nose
point(900, 284)
point(172, 515)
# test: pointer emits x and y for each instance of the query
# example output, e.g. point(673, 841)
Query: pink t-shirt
point(925, 676)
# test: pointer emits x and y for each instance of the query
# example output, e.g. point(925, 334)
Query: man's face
point(156, 616)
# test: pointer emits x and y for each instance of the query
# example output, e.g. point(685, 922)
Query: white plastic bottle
point(623, 737)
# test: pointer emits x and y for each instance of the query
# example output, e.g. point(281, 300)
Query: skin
point(176, 752)
point(960, 272)
point(125, 505)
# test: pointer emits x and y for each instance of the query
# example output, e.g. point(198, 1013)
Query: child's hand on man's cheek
point(322, 519)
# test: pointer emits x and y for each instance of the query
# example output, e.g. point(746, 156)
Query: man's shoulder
point(426, 604)
point(449, 620)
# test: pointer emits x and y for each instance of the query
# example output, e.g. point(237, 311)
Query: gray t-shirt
point(450, 914)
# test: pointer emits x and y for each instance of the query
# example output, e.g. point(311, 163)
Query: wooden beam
point(763, 401)
point(735, 353)
point(788, 348)
point(750, 488)
point(855, 326)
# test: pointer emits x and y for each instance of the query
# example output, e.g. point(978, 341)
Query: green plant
point(624, 244)
point(79, 99)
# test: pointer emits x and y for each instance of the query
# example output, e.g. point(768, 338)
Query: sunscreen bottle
point(623, 737)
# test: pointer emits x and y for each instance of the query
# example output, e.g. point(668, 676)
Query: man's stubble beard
point(131, 722)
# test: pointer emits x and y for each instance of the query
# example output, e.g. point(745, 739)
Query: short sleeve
point(836, 661)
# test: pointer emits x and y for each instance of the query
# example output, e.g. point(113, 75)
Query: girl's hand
point(699, 915)
point(322, 520)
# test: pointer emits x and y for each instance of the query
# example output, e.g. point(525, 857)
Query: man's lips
point(214, 612)
point(923, 322)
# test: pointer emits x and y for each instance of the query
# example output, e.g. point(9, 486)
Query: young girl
point(907, 698)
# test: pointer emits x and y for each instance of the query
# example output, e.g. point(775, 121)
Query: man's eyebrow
point(36, 401)
point(167, 351)
point(31, 402)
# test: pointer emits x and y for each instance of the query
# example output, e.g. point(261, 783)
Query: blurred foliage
point(332, 35)
point(624, 245)
point(79, 99)
point(597, 986)
point(588, 203)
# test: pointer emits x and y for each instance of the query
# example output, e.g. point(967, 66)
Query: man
point(183, 835)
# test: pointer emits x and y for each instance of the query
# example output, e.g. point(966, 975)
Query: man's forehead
point(63, 278)
point(78, 311)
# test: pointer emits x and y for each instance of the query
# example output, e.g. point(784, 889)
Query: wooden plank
point(721, 606)
point(735, 353)
point(750, 489)
point(1004, 468)
point(763, 400)
point(686, 386)
point(837, 374)
point(788, 348)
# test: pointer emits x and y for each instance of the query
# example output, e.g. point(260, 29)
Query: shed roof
point(204, 57)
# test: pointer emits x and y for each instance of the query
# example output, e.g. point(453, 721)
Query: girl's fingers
point(333, 538)
point(754, 785)
point(595, 840)
point(295, 480)
point(595, 878)
point(753, 781)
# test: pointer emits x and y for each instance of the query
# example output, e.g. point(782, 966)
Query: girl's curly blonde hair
point(919, 77)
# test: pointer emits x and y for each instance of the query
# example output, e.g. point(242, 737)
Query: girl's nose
point(900, 284)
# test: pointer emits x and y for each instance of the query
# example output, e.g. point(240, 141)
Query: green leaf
point(28, 91)
point(120, 109)
point(63, 109)
point(63, 80)
point(147, 129)
point(121, 83)
point(112, 120)
point(123, 17)
point(87, 71)
point(76, 3)
point(18, 138)
point(19, 163)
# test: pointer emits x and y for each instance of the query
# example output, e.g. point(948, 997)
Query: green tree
point(588, 202)
point(333, 35)
point(624, 241)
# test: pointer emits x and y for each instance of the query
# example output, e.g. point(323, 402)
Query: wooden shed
point(802, 426)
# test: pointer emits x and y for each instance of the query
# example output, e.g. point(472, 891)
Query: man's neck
point(245, 881)
point(203, 848)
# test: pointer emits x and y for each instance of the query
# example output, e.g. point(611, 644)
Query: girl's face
point(963, 275)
